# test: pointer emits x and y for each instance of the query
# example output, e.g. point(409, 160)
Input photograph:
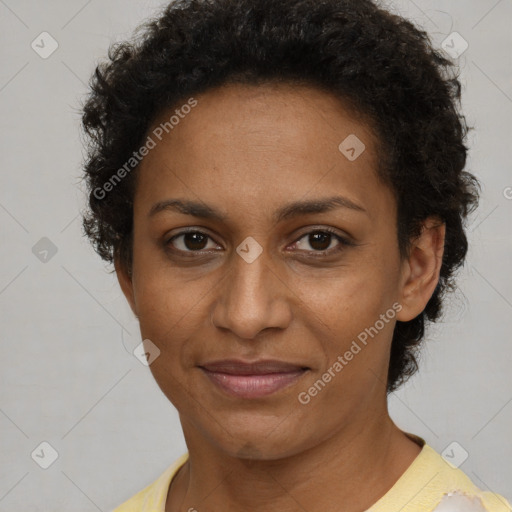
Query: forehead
point(282, 113)
point(255, 145)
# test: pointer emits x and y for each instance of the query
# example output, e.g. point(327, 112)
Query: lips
point(252, 379)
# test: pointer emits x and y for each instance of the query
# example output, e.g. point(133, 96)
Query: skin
point(247, 151)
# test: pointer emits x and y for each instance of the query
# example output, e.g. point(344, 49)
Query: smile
point(252, 380)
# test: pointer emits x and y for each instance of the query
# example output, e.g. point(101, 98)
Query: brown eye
point(320, 241)
point(190, 241)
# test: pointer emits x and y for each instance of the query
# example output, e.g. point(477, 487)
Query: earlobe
point(422, 268)
point(125, 282)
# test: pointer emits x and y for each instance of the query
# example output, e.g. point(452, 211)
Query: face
point(288, 253)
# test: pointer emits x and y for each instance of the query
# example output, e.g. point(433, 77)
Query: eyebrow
point(201, 210)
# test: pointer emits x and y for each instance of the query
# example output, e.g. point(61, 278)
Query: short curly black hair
point(381, 65)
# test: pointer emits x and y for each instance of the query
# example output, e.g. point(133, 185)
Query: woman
point(281, 188)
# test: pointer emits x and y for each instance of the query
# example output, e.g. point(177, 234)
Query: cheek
point(352, 298)
point(174, 314)
point(168, 307)
point(354, 318)
point(162, 292)
point(170, 314)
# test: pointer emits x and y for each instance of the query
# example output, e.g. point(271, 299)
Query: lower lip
point(253, 386)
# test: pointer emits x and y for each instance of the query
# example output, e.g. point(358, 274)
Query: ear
point(125, 281)
point(420, 272)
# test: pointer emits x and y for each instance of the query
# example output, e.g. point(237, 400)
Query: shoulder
point(433, 484)
point(464, 495)
point(458, 491)
point(152, 498)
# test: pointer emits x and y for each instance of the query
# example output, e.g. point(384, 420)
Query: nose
point(253, 297)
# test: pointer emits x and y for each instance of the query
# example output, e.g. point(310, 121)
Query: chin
point(263, 451)
point(257, 441)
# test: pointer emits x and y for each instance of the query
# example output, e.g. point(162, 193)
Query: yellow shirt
point(430, 484)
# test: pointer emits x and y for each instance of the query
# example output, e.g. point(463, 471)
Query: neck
point(355, 467)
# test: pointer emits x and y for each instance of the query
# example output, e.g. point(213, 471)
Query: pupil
point(323, 238)
point(194, 240)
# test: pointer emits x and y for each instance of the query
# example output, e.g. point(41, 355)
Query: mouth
point(252, 379)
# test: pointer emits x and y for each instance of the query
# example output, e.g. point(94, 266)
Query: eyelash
point(343, 242)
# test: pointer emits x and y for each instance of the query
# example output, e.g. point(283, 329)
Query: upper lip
point(260, 367)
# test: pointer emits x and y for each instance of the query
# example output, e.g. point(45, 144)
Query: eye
point(190, 241)
point(321, 241)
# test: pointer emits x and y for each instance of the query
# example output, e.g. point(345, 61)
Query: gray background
point(67, 373)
